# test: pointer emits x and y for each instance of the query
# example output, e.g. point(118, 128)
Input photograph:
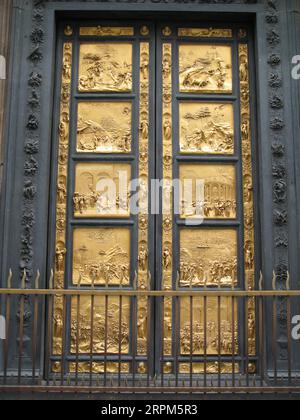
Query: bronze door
point(140, 103)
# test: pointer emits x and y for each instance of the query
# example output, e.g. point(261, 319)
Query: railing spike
point(288, 283)
point(261, 281)
point(37, 279)
point(51, 285)
point(135, 280)
point(23, 285)
point(274, 281)
point(79, 281)
point(9, 279)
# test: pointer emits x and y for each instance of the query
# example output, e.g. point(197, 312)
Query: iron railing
point(27, 362)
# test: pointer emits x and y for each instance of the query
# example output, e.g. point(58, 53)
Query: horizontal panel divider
point(101, 222)
point(207, 159)
point(88, 157)
point(210, 223)
point(207, 98)
point(104, 96)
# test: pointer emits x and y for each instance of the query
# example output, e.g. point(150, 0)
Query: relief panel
point(96, 325)
point(208, 190)
point(106, 31)
point(101, 256)
point(105, 67)
point(205, 33)
point(205, 68)
point(104, 127)
point(208, 257)
point(219, 322)
point(102, 190)
point(206, 128)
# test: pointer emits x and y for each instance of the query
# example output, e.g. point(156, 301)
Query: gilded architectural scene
point(205, 68)
point(208, 257)
point(94, 330)
point(104, 127)
point(105, 67)
point(101, 256)
point(218, 326)
point(102, 190)
point(208, 191)
point(206, 128)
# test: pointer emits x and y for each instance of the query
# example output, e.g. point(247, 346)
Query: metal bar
point(191, 339)
point(21, 329)
point(105, 341)
point(274, 338)
point(205, 341)
point(153, 293)
point(92, 339)
point(233, 340)
point(7, 332)
point(140, 389)
point(77, 338)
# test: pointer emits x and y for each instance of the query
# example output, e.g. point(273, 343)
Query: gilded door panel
point(104, 127)
point(102, 190)
point(205, 68)
point(105, 67)
point(206, 128)
point(208, 257)
point(208, 190)
point(101, 256)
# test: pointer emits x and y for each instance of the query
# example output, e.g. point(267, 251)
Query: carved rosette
point(61, 199)
point(249, 239)
point(167, 207)
point(143, 243)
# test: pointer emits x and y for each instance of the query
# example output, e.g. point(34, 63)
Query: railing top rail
point(150, 293)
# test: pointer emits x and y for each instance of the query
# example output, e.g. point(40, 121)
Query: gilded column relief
point(208, 257)
point(102, 190)
point(101, 256)
point(205, 68)
point(167, 234)
point(105, 67)
point(104, 127)
point(215, 197)
point(206, 128)
point(61, 201)
point(249, 247)
point(144, 278)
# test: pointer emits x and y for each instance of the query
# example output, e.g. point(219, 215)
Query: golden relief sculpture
point(215, 196)
point(105, 67)
point(101, 256)
point(206, 128)
point(61, 196)
point(99, 367)
point(104, 127)
point(143, 245)
point(214, 341)
point(106, 31)
point(208, 257)
point(205, 32)
point(249, 241)
point(210, 368)
point(117, 333)
point(167, 234)
point(102, 190)
point(205, 68)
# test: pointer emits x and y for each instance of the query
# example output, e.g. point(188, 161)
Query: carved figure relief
point(102, 190)
point(206, 128)
point(105, 67)
point(216, 199)
point(101, 256)
point(105, 325)
point(205, 68)
point(104, 127)
point(227, 344)
point(208, 257)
